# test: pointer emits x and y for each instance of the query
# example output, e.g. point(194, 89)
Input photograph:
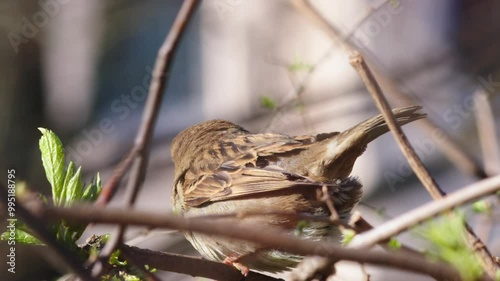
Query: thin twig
point(63, 256)
point(426, 211)
point(487, 132)
point(415, 163)
point(109, 190)
point(381, 102)
point(298, 90)
point(365, 272)
point(143, 140)
point(301, 87)
point(325, 197)
point(456, 154)
point(450, 148)
point(360, 225)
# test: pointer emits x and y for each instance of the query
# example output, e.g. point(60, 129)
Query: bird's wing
point(229, 183)
point(232, 169)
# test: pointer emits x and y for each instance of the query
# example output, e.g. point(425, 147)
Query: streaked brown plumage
point(222, 168)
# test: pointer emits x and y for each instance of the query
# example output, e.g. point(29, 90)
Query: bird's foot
point(234, 262)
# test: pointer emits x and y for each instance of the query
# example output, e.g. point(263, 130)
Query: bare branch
point(268, 238)
point(381, 102)
point(424, 212)
point(365, 272)
point(191, 265)
point(112, 184)
point(458, 156)
point(360, 225)
point(415, 163)
point(158, 85)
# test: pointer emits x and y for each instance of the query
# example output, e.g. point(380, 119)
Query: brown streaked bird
point(222, 168)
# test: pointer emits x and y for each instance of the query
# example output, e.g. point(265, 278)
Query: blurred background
point(83, 68)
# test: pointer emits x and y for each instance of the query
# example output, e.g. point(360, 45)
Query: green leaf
point(53, 162)
point(482, 207)
point(114, 259)
point(298, 65)
point(93, 189)
point(267, 102)
point(299, 228)
point(130, 277)
point(150, 269)
point(446, 235)
point(42, 198)
point(70, 172)
point(394, 243)
point(21, 236)
point(348, 235)
point(73, 190)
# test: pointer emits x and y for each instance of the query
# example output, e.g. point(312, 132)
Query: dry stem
point(153, 102)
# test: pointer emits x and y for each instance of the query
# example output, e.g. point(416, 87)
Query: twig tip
point(355, 58)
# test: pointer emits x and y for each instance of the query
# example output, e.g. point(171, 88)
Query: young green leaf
point(22, 236)
point(114, 259)
point(394, 244)
point(70, 172)
point(267, 102)
point(130, 277)
point(93, 189)
point(298, 65)
point(53, 162)
point(150, 269)
point(446, 236)
point(347, 235)
point(299, 228)
point(482, 207)
point(73, 190)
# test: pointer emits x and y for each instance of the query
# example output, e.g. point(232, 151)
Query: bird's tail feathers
point(343, 149)
point(376, 126)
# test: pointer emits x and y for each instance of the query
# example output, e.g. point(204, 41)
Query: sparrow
point(221, 168)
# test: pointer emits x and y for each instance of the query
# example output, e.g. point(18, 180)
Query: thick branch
point(192, 265)
point(268, 238)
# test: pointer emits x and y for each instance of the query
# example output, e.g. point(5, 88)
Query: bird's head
point(194, 139)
